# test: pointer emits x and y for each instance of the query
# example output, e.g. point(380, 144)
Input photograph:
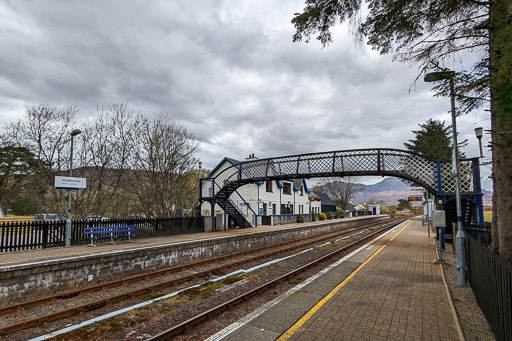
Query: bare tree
point(340, 190)
point(104, 153)
point(45, 131)
point(164, 178)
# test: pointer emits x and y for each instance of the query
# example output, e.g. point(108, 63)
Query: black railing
point(26, 235)
point(490, 277)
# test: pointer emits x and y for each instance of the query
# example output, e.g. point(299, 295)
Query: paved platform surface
point(30, 256)
point(390, 290)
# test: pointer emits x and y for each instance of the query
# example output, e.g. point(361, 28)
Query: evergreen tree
point(430, 32)
point(16, 164)
point(432, 140)
point(403, 204)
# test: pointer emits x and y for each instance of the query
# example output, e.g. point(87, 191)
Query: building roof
point(324, 198)
point(225, 159)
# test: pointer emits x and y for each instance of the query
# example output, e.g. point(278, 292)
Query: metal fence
point(490, 277)
point(26, 235)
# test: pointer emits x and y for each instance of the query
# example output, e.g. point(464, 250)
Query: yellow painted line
point(7, 263)
point(286, 335)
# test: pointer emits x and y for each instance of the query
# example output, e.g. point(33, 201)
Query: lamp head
point(200, 164)
point(76, 132)
point(438, 76)
point(479, 132)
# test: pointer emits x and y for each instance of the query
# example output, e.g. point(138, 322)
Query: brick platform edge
point(46, 277)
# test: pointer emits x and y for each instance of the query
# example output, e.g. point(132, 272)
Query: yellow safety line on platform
point(286, 335)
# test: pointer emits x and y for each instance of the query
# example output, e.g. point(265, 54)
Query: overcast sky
point(227, 70)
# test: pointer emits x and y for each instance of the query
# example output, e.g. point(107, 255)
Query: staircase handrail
point(250, 208)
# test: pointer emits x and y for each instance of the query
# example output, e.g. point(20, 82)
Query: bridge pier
point(212, 203)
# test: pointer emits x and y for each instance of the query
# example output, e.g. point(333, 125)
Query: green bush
point(313, 216)
point(300, 218)
point(329, 215)
point(24, 207)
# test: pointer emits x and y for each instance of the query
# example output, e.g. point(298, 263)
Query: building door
point(265, 209)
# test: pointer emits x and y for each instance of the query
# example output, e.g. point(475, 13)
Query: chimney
point(251, 157)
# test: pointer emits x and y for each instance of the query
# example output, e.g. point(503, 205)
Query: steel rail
point(178, 329)
point(117, 298)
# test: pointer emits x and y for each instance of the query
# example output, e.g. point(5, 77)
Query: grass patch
point(165, 311)
point(149, 297)
point(218, 272)
point(334, 243)
point(232, 279)
point(488, 216)
point(108, 327)
point(214, 287)
point(195, 293)
point(327, 246)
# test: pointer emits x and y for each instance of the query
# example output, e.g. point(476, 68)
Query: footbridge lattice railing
point(434, 176)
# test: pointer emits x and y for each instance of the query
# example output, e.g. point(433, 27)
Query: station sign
point(415, 198)
point(67, 182)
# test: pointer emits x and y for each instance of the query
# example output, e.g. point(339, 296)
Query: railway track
point(188, 324)
point(266, 252)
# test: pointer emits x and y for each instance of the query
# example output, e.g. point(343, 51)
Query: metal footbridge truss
point(434, 176)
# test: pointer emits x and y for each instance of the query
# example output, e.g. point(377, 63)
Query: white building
point(374, 208)
point(274, 202)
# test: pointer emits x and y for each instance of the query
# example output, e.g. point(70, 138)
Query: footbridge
point(435, 176)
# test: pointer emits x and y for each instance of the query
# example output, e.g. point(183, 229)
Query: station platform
point(388, 289)
point(52, 270)
point(9, 259)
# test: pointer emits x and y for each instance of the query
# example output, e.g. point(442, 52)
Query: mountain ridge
point(389, 190)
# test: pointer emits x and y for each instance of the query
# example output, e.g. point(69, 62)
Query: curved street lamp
point(460, 237)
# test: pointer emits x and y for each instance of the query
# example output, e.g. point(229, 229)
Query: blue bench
point(109, 232)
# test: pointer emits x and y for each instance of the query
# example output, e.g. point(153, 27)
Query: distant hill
point(389, 190)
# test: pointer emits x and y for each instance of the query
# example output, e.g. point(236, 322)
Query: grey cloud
point(227, 69)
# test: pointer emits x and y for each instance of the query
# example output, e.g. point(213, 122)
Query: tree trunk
point(500, 34)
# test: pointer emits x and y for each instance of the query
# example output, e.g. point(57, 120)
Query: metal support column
point(212, 203)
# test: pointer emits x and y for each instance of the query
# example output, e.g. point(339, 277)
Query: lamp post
point(68, 223)
point(200, 164)
point(460, 237)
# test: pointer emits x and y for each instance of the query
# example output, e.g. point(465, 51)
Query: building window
point(286, 209)
point(287, 188)
point(274, 209)
point(302, 190)
point(268, 184)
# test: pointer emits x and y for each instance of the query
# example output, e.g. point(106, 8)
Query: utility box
point(438, 219)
